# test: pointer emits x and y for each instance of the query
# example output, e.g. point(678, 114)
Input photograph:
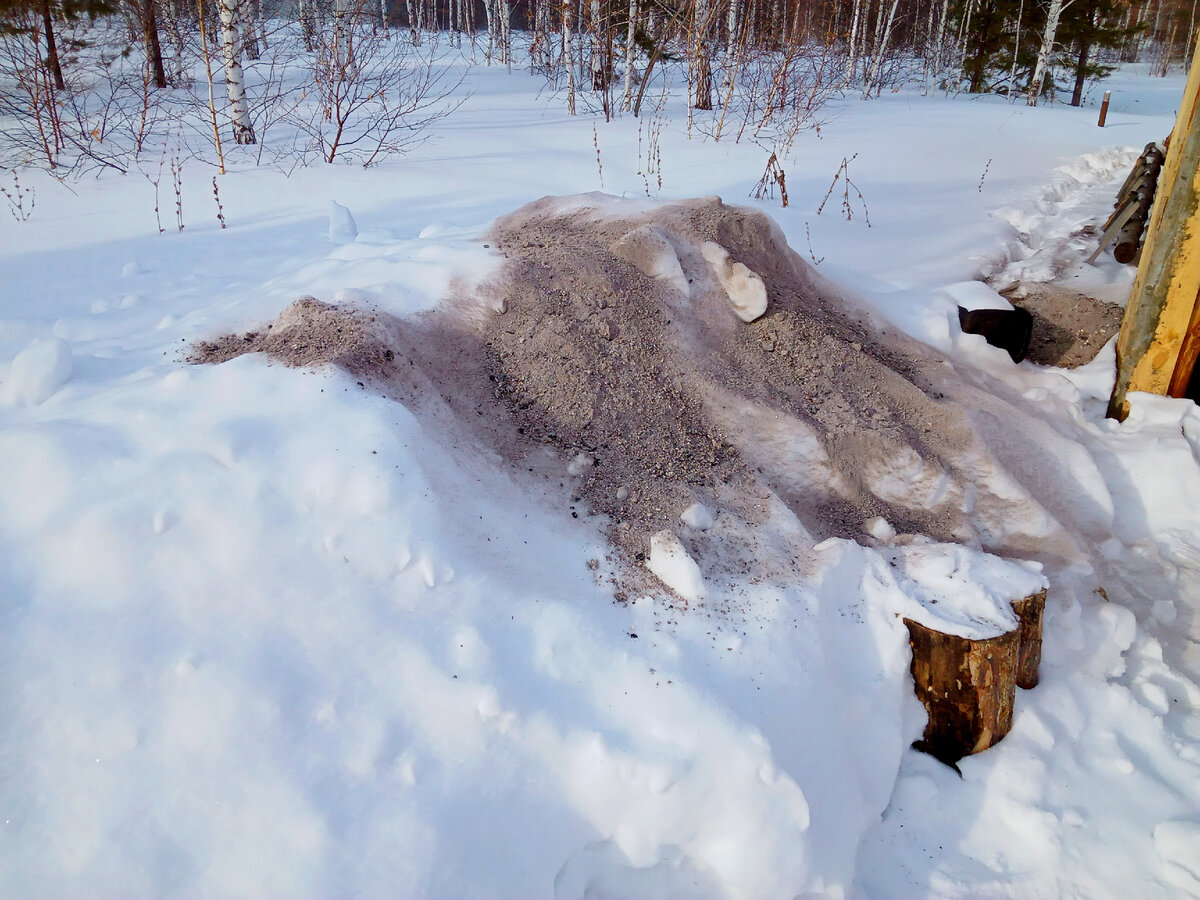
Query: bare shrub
point(373, 97)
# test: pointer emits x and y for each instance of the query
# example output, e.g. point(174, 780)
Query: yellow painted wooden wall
point(1160, 333)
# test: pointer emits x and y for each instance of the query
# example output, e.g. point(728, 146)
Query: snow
point(697, 516)
point(1178, 843)
point(342, 227)
point(37, 372)
point(671, 564)
point(267, 633)
point(962, 591)
point(649, 248)
point(745, 289)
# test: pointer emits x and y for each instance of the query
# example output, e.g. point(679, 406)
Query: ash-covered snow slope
point(263, 635)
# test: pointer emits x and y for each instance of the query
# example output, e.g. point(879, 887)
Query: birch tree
point(230, 12)
point(881, 47)
point(700, 63)
point(568, 60)
point(630, 51)
point(1053, 15)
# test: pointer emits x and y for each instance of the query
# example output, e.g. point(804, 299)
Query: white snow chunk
point(880, 529)
point(130, 269)
point(38, 371)
point(697, 516)
point(1178, 843)
point(745, 289)
point(650, 250)
point(672, 565)
point(974, 295)
point(342, 227)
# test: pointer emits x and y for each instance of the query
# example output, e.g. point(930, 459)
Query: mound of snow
point(38, 371)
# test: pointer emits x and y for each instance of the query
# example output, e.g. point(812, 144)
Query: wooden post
point(968, 687)
point(1158, 344)
point(1104, 109)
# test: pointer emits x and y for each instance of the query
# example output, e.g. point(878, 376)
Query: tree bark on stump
point(968, 686)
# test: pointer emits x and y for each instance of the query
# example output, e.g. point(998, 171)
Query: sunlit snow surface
point(265, 635)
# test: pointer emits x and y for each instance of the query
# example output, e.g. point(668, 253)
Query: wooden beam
point(1156, 349)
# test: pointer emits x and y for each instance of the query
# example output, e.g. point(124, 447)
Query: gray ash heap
point(681, 360)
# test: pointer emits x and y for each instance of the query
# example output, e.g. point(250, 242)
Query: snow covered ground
point(265, 634)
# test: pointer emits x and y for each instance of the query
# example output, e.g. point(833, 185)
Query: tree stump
point(968, 687)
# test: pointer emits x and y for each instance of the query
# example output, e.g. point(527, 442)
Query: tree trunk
point(307, 26)
point(1085, 46)
point(568, 60)
point(701, 64)
point(504, 14)
point(153, 48)
point(176, 41)
point(1012, 77)
point(968, 687)
point(1047, 47)
point(880, 51)
point(630, 51)
point(52, 47)
point(243, 130)
point(731, 42)
point(852, 61)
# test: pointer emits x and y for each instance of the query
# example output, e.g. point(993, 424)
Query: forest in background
point(104, 84)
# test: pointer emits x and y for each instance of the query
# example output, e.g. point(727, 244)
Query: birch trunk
point(176, 41)
point(1047, 47)
point(885, 37)
point(243, 130)
point(630, 49)
point(731, 24)
point(414, 23)
point(701, 64)
point(307, 27)
point(1012, 78)
point(595, 47)
point(504, 14)
point(852, 62)
point(248, 22)
point(568, 59)
point(490, 14)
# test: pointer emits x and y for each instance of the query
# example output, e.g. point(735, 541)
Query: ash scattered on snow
point(615, 337)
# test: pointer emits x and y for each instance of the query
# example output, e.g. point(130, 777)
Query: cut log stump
point(968, 686)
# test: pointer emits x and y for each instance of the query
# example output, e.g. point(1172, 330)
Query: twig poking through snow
point(773, 176)
point(984, 175)
point(843, 172)
point(808, 235)
point(220, 208)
